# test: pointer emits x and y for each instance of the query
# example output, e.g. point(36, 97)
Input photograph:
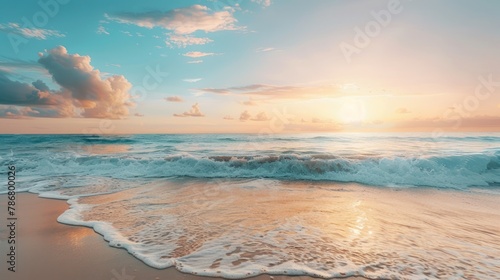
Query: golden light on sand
point(76, 237)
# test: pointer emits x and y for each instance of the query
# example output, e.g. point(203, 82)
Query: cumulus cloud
point(24, 94)
point(246, 116)
point(95, 96)
point(174, 99)
point(197, 54)
point(36, 33)
point(194, 112)
point(83, 92)
point(185, 40)
point(260, 117)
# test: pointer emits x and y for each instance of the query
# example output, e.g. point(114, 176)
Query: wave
point(451, 171)
point(457, 171)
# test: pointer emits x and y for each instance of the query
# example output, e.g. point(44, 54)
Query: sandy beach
point(50, 250)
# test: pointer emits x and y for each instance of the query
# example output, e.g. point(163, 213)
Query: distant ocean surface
point(239, 205)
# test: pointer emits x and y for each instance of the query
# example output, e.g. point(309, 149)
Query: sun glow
point(352, 111)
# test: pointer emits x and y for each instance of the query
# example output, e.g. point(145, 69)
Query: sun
point(352, 111)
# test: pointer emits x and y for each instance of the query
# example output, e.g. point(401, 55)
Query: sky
point(253, 66)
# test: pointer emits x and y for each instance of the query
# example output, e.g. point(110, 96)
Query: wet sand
point(46, 249)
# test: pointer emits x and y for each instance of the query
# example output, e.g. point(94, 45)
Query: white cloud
point(197, 54)
point(37, 33)
point(264, 3)
point(195, 61)
point(185, 40)
point(181, 21)
point(192, 80)
point(102, 30)
point(265, 49)
point(194, 112)
point(127, 33)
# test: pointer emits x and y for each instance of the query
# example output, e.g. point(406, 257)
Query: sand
point(47, 249)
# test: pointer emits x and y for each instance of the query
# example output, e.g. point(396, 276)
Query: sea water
point(408, 206)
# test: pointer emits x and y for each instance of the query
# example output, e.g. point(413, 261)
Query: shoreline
point(48, 249)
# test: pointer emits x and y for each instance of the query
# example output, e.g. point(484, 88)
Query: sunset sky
point(273, 66)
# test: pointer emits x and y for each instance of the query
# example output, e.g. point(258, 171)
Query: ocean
point(406, 206)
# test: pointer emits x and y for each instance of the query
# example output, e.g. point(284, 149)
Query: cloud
point(83, 92)
point(278, 92)
point(185, 40)
point(40, 85)
point(181, 21)
point(95, 96)
point(250, 102)
point(195, 61)
point(23, 94)
point(194, 112)
point(197, 54)
point(102, 30)
point(246, 116)
point(264, 3)
point(192, 80)
point(402, 111)
point(262, 116)
point(12, 112)
point(174, 99)
point(37, 33)
point(228, 118)
point(138, 115)
point(265, 49)
point(9, 65)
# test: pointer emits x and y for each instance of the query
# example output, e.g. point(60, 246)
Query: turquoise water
point(458, 161)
